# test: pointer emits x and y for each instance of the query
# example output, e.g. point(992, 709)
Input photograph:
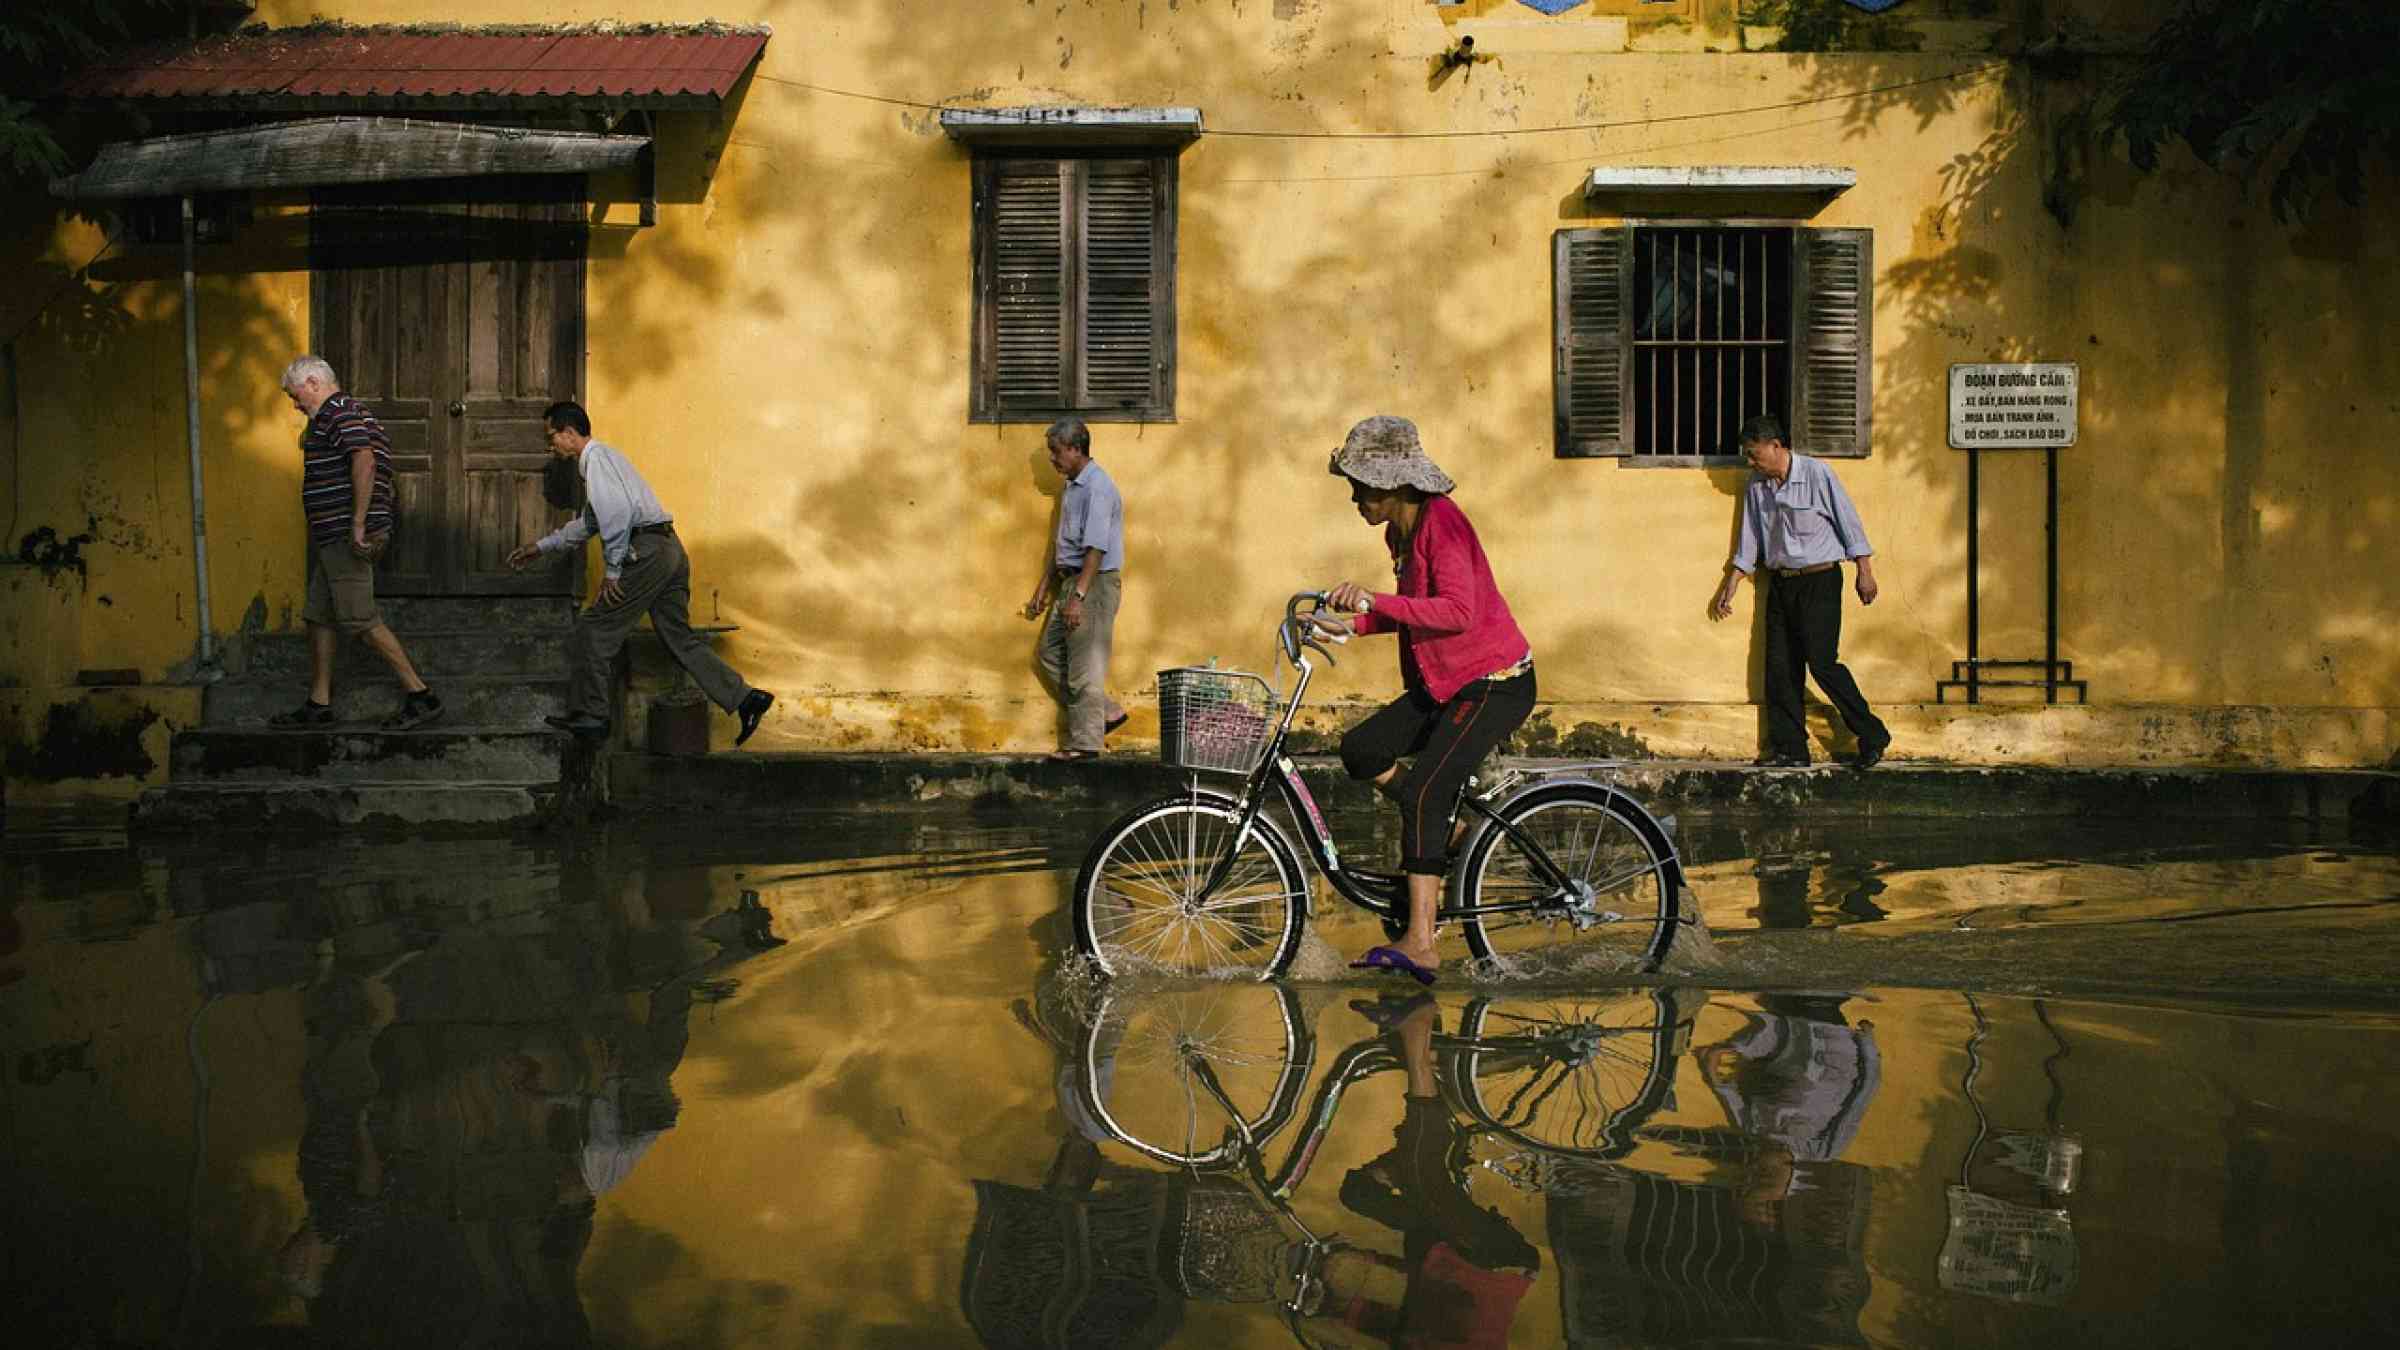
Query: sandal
point(310, 713)
point(1393, 960)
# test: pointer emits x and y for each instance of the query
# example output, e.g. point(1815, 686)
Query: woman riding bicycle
point(1466, 665)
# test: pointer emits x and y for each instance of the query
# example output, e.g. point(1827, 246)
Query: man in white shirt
point(645, 571)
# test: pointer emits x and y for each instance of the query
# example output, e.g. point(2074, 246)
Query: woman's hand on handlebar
point(1328, 624)
point(1348, 598)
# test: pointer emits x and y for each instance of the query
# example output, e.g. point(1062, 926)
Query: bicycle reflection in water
point(1658, 1229)
point(1530, 1088)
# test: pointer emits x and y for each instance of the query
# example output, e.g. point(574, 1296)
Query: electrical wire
point(919, 105)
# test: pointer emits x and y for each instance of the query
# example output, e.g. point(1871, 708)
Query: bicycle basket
point(1213, 721)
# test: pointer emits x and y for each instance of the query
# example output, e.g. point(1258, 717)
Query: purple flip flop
point(1392, 959)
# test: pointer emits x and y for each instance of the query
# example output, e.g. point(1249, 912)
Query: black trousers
point(1448, 740)
point(1804, 629)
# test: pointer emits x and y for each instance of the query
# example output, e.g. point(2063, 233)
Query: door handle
point(458, 408)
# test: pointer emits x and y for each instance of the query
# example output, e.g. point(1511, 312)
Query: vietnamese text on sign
point(2021, 406)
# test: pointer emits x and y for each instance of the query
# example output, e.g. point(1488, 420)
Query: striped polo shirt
point(340, 429)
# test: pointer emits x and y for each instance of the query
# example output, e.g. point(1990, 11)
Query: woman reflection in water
point(1463, 1268)
point(1466, 665)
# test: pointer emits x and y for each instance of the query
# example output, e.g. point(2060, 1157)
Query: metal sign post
point(2017, 406)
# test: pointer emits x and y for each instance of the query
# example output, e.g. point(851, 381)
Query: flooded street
point(837, 1082)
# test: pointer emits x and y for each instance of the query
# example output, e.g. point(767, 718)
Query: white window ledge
point(1821, 181)
point(1072, 127)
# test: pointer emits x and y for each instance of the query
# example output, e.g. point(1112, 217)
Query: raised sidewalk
point(781, 782)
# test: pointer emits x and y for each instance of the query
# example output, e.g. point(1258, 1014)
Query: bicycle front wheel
point(1142, 900)
point(1138, 1077)
point(1581, 883)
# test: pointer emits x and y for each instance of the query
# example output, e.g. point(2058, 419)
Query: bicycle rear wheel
point(1139, 905)
point(1618, 908)
point(1575, 1074)
point(1138, 1075)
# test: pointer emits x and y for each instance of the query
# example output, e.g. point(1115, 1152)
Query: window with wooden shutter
point(1074, 288)
point(1670, 335)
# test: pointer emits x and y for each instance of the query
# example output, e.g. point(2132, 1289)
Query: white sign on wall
point(2027, 406)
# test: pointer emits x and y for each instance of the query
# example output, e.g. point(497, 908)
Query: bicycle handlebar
point(1298, 630)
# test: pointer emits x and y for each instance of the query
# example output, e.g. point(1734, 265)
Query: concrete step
point(428, 613)
point(438, 654)
point(362, 703)
point(216, 808)
point(440, 754)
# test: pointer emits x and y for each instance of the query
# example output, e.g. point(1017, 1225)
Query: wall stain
point(1540, 738)
point(79, 741)
point(43, 548)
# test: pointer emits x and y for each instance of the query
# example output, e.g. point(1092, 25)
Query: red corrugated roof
point(333, 62)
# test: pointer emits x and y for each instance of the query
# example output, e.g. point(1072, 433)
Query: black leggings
point(1448, 740)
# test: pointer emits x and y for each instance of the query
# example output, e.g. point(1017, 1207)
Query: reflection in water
point(480, 1068)
point(2010, 1236)
point(1549, 1098)
point(1779, 1253)
point(587, 1092)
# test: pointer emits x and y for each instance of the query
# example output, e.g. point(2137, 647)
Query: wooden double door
point(454, 313)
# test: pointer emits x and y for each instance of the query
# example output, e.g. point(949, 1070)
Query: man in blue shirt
point(644, 570)
point(1799, 524)
point(1087, 557)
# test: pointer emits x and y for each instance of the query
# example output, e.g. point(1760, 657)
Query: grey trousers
point(657, 582)
point(1077, 662)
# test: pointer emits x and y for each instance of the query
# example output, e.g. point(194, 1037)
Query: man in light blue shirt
point(644, 571)
point(1087, 558)
point(1798, 523)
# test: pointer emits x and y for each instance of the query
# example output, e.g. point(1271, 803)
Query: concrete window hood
point(1796, 190)
point(1072, 128)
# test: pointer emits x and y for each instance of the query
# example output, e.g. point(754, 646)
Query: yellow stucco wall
point(785, 356)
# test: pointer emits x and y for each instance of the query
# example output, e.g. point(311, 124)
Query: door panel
point(456, 319)
point(520, 301)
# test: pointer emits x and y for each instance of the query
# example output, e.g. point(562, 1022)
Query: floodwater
point(832, 1083)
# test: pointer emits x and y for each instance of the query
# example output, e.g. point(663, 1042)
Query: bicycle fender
point(1654, 833)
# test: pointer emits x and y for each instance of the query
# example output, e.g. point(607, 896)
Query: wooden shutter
point(1833, 308)
point(1075, 288)
point(1592, 306)
point(1025, 359)
point(1124, 281)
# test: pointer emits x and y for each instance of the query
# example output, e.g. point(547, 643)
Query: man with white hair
point(346, 495)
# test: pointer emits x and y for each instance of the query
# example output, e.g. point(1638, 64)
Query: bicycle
point(1205, 882)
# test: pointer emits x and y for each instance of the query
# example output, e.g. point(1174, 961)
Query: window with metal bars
point(1668, 336)
point(1074, 288)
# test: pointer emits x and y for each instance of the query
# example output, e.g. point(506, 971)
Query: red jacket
point(1454, 626)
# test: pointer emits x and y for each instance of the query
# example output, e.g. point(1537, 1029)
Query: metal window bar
point(1713, 334)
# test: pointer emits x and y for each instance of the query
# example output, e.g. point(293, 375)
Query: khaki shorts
point(341, 589)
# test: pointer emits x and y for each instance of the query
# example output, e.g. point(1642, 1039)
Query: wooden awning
point(331, 150)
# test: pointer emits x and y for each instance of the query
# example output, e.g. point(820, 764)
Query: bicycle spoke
point(1572, 1075)
point(1142, 896)
point(1140, 1069)
point(1615, 887)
